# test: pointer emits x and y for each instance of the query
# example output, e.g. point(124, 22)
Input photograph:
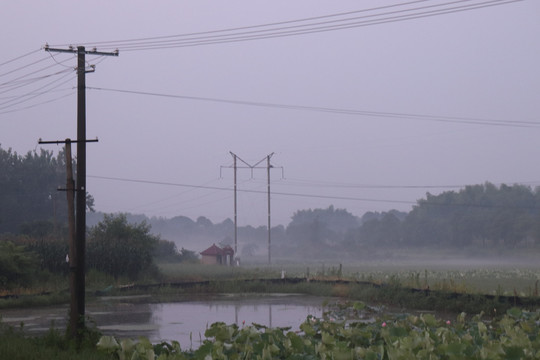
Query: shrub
point(120, 249)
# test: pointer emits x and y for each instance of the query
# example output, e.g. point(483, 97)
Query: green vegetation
point(478, 218)
point(28, 191)
point(16, 345)
point(16, 266)
point(120, 249)
point(513, 336)
point(167, 252)
point(339, 334)
point(484, 214)
point(117, 252)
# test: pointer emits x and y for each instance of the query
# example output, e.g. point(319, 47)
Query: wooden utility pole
point(268, 166)
point(70, 192)
point(80, 190)
point(235, 212)
point(76, 322)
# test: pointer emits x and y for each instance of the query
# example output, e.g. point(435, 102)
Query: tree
point(16, 265)
point(119, 248)
point(166, 251)
point(504, 214)
point(29, 189)
point(378, 229)
point(337, 220)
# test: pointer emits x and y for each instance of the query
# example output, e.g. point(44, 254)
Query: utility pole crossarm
point(64, 141)
point(74, 50)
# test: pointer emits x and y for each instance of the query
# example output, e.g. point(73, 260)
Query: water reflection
point(184, 321)
point(180, 321)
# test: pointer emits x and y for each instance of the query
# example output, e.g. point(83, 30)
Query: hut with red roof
point(215, 255)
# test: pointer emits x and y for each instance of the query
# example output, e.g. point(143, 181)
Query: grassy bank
point(16, 345)
point(399, 284)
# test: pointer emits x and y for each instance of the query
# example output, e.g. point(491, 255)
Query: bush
point(120, 249)
point(16, 265)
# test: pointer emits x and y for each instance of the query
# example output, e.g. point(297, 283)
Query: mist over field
point(478, 226)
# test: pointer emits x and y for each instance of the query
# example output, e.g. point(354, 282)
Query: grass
point(444, 276)
point(15, 345)
point(198, 272)
point(484, 278)
point(438, 284)
point(54, 290)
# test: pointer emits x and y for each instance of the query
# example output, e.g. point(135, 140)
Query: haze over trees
point(478, 216)
point(35, 213)
point(29, 190)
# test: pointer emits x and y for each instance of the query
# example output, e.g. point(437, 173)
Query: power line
point(42, 92)
point(316, 196)
point(169, 197)
point(233, 39)
point(256, 33)
point(155, 38)
point(189, 200)
point(437, 118)
point(20, 57)
point(33, 84)
point(32, 73)
point(33, 94)
point(247, 190)
point(23, 67)
point(38, 104)
point(14, 83)
point(301, 182)
point(334, 185)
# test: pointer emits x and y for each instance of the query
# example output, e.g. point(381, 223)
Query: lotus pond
point(184, 321)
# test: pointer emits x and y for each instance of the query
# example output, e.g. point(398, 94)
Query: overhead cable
point(319, 196)
point(38, 104)
point(248, 190)
point(437, 118)
point(20, 57)
point(33, 94)
point(273, 30)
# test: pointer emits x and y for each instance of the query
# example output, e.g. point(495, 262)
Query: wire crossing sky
point(440, 118)
point(367, 105)
point(370, 16)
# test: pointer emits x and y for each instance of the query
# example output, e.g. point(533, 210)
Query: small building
point(215, 255)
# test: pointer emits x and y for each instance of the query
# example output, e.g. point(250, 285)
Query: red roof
point(216, 250)
point(227, 250)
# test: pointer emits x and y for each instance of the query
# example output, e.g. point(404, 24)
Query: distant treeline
point(478, 215)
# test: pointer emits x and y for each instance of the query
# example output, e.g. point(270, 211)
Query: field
point(486, 329)
point(491, 276)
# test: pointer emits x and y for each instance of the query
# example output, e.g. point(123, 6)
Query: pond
point(184, 321)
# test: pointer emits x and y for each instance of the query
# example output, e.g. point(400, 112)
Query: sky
point(362, 105)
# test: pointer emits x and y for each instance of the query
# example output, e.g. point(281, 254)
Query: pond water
point(184, 321)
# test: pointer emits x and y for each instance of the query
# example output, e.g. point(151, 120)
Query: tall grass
point(493, 280)
point(198, 272)
point(16, 345)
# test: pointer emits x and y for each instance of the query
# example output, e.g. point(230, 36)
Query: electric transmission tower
point(251, 168)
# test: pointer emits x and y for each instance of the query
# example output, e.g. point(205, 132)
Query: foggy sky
point(479, 64)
